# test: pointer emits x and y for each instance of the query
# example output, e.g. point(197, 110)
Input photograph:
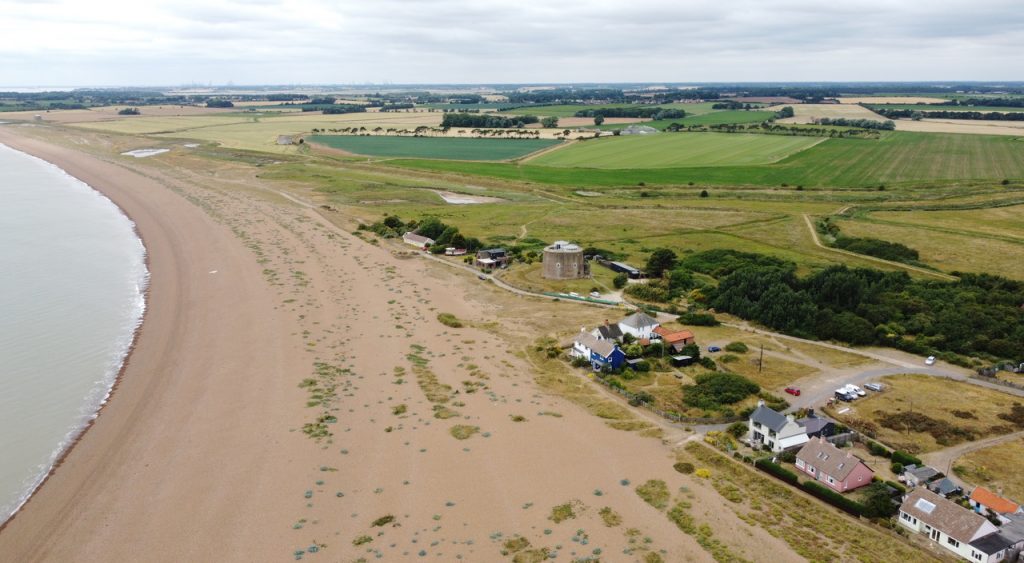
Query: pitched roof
point(987, 498)
point(944, 486)
point(411, 236)
point(770, 418)
point(950, 518)
point(610, 331)
point(829, 459)
point(922, 473)
point(670, 336)
point(602, 347)
point(639, 320)
point(813, 424)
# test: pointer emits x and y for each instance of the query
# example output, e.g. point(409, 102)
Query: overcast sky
point(172, 42)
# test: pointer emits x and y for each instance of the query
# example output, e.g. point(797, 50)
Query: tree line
point(887, 125)
point(645, 112)
point(943, 114)
point(487, 120)
point(979, 315)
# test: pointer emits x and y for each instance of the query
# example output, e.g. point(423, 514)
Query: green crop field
point(676, 150)
point(910, 158)
point(727, 116)
point(434, 147)
point(926, 107)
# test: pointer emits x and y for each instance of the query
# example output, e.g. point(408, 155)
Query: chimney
point(790, 418)
point(606, 322)
point(821, 439)
point(760, 402)
point(583, 329)
point(849, 454)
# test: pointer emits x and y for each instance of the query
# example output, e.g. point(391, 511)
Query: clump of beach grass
point(449, 320)
point(463, 431)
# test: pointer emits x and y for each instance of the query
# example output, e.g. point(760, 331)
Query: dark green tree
point(660, 261)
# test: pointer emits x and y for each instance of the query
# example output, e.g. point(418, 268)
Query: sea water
point(72, 292)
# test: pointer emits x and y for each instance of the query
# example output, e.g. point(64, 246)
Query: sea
point(72, 294)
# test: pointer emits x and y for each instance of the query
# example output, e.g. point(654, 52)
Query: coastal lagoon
point(72, 289)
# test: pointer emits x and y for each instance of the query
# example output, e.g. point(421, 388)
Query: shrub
point(463, 431)
point(788, 456)
point(708, 363)
point(878, 449)
point(383, 521)
point(737, 429)
point(562, 512)
point(713, 390)
point(620, 281)
point(905, 458)
point(698, 319)
point(776, 470)
point(729, 358)
point(737, 347)
point(450, 320)
point(655, 493)
point(684, 467)
point(835, 499)
point(896, 468)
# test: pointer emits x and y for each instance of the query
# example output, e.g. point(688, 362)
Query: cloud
point(434, 41)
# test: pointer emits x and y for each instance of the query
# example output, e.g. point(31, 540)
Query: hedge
point(898, 486)
point(776, 470)
point(906, 459)
point(835, 499)
point(878, 449)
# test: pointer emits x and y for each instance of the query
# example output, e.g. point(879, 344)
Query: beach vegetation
point(463, 431)
point(654, 492)
point(562, 512)
point(449, 320)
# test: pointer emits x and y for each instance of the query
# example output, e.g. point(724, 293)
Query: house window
point(976, 555)
point(952, 542)
point(905, 516)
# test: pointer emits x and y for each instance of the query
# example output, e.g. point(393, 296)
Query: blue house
point(599, 353)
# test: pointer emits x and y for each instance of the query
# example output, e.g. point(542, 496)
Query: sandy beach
point(201, 455)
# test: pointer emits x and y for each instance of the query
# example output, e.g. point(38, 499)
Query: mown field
point(675, 150)
point(910, 158)
point(434, 147)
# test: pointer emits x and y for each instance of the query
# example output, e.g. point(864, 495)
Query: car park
point(795, 391)
point(854, 390)
point(842, 395)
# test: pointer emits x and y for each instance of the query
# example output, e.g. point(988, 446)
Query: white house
point(773, 430)
point(418, 241)
point(955, 528)
point(640, 325)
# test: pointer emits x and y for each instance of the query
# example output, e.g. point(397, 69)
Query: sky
point(179, 42)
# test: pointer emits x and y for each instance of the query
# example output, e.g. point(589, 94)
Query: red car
point(793, 391)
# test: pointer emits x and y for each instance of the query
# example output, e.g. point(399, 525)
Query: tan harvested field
point(964, 126)
point(921, 413)
point(890, 100)
point(996, 467)
point(109, 113)
point(807, 113)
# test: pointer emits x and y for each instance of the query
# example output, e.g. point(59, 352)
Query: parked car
point(854, 390)
point(595, 294)
point(714, 349)
point(930, 361)
point(482, 277)
point(573, 294)
point(874, 386)
point(795, 391)
point(842, 395)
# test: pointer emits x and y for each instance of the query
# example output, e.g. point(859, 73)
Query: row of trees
point(979, 315)
point(868, 246)
point(886, 125)
point(425, 131)
point(487, 120)
point(644, 112)
point(986, 116)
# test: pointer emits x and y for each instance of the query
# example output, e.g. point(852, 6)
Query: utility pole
point(760, 361)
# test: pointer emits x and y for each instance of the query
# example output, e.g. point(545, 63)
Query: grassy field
point(997, 221)
point(434, 147)
point(676, 150)
point(920, 413)
point(563, 110)
point(996, 467)
point(911, 158)
point(725, 117)
point(950, 249)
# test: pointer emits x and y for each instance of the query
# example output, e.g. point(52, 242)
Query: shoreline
point(125, 359)
point(186, 440)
